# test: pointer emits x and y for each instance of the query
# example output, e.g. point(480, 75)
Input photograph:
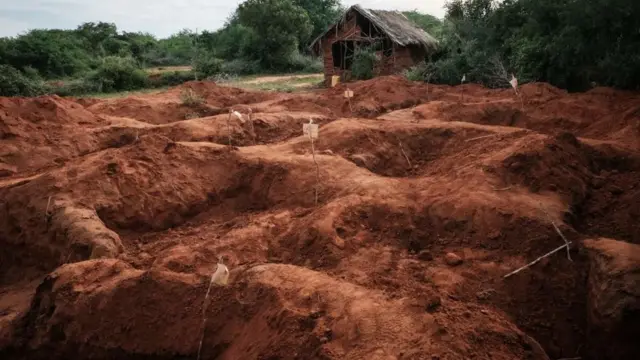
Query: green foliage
point(171, 78)
point(76, 87)
point(279, 31)
point(364, 60)
point(304, 63)
point(118, 74)
point(54, 53)
point(207, 66)
point(321, 13)
point(14, 83)
point(429, 23)
point(569, 43)
point(241, 67)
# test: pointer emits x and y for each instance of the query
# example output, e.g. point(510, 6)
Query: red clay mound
point(42, 132)
point(392, 242)
point(153, 111)
point(614, 299)
point(294, 311)
point(223, 96)
point(373, 97)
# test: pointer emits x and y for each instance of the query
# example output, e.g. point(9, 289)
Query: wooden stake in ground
point(464, 79)
point(220, 278)
point(229, 127)
point(311, 130)
point(253, 130)
point(349, 94)
point(514, 85)
point(566, 242)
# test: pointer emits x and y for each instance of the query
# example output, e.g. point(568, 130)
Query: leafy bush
point(172, 78)
point(118, 74)
point(304, 63)
point(14, 83)
point(31, 73)
point(241, 67)
point(75, 87)
point(364, 60)
point(416, 73)
point(207, 66)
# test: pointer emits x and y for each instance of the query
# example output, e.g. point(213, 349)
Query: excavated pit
point(113, 214)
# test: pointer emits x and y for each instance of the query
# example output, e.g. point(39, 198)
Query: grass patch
point(167, 69)
point(279, 83)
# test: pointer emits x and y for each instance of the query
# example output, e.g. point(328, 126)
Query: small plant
point(191, 115)
point(189, 97)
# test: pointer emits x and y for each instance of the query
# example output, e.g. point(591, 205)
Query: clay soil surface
point(114, 213)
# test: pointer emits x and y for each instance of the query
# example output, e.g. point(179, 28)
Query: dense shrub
point(118, 74)
point(304, 63)
point(207, 66)
point(364, 60)
point(241, 67)
point(172, 78)
point(14, 83)
point(75, 87)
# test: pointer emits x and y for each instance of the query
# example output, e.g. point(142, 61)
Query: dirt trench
point(114, 214)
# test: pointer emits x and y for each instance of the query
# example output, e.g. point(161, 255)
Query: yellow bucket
point(335, 80)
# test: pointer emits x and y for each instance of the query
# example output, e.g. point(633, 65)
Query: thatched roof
point(393, 24)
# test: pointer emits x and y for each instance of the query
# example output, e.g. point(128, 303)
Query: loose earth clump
point(115, 213)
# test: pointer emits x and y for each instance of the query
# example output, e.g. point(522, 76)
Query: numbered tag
point(239, 116)
point(348, 94)
point(310, 130)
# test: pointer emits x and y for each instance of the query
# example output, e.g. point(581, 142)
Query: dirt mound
point(323, 318)
point(43, 132)
point(223, 96)
point(614, 299)
point(392, 241)
point(153, 112)
point(375, 96)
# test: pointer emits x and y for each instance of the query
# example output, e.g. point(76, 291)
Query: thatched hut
point(398, 42)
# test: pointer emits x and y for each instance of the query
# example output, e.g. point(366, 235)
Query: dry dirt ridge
point(113, 214)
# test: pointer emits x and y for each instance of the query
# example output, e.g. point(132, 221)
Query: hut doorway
point(343, 52)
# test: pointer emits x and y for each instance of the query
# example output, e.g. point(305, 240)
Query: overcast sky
point(159, 17)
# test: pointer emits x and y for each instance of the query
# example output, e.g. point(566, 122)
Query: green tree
point(54, 53)
point(280, 24)
point(322, 13)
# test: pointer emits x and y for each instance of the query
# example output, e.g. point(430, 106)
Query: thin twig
point(47, 215)
point(313, 152)
point(481, 137)
point(253, 130)
point(503, 189)
point(205, 306)
point(204, 317)
point(566, 242)
point(536, 260)
point(229, 128)
point(404, 153)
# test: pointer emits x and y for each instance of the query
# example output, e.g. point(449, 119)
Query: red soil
point(113, 213)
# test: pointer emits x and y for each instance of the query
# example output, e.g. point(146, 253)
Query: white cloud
point(159, 17)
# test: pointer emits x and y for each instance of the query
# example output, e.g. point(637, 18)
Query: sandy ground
point(114, 213)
